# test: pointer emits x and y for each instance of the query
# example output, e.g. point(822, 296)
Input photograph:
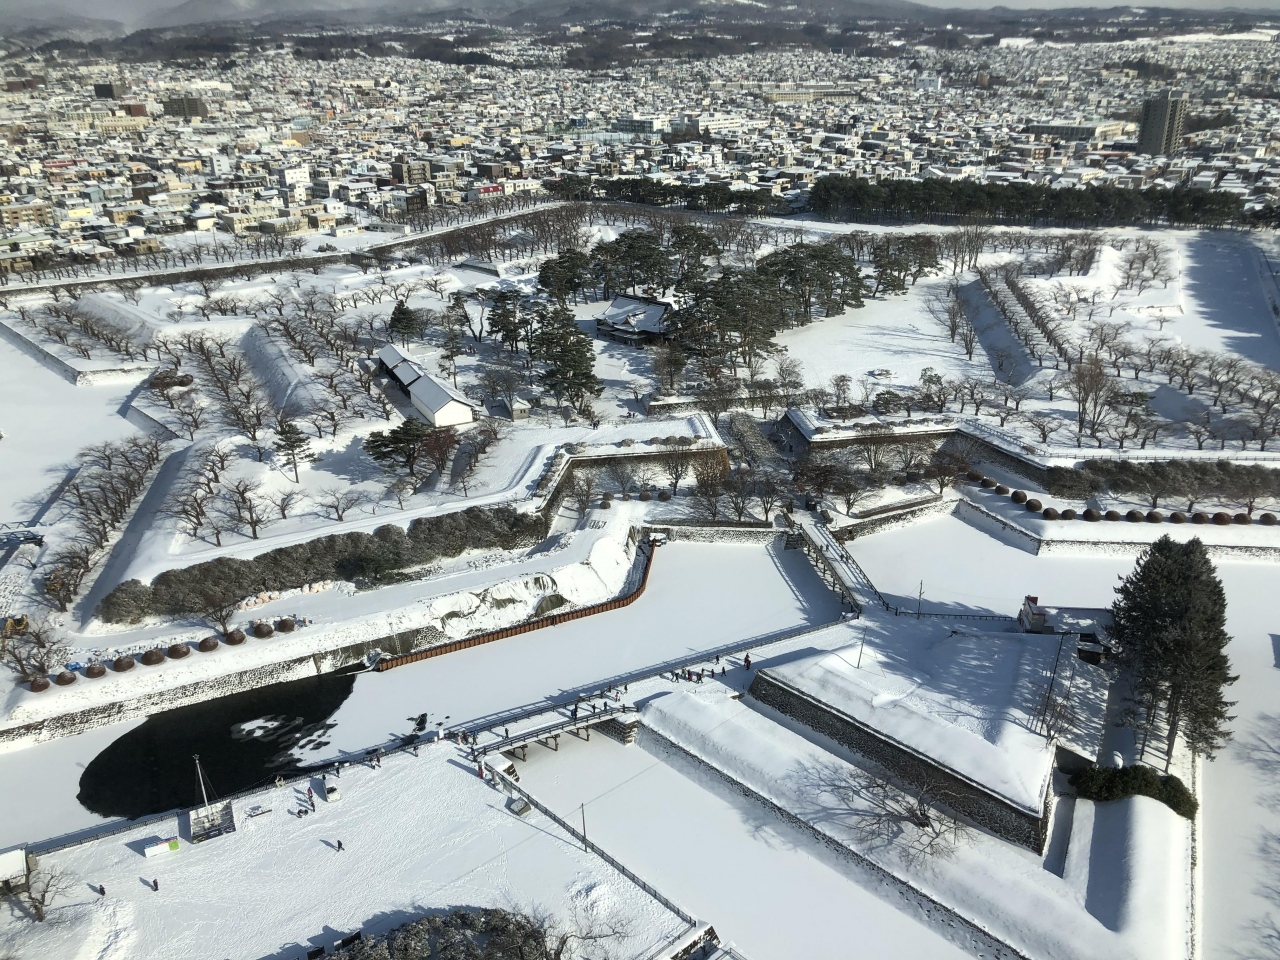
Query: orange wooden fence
point(550, 620)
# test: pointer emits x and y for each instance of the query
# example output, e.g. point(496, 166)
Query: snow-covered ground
point(694, 601)
point(419, 834)
point(967, 699)
point(965, 570)
point(893, 333)
point(45, 420)
point(998, 887)
point(699, 596)
point(768, 887)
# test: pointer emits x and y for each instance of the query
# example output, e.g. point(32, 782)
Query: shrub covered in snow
point(1101, 784)
point(479, 935)
point(345, 556)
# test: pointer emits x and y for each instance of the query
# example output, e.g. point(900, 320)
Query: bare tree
point(622, 472)
point(286, 500)
point(339, 500)
point(739, 489)
point(675, 461)
point(243, 500)
point(912, 816)
point(708, 491)
point(582, 491)
point(36, 652)
point(44, 886)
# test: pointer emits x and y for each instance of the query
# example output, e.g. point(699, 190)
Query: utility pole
point(582, 808)
point(919, 599)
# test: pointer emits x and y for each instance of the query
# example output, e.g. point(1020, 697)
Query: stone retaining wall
point(967, 799)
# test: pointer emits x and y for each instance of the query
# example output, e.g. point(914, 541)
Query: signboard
point(169, 845)
point(212, 821)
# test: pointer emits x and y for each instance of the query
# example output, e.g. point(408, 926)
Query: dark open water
point(244, 740)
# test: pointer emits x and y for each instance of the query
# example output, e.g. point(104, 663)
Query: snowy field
point(44, 420)
point(768, 887)
point(420, 835)
point(894, 333)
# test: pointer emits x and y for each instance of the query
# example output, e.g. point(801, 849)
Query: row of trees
point(1193, 482)
point(840, 197)
point(97, 499)
point(205, 589)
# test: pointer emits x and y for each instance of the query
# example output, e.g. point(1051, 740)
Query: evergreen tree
point(403, 324)
point(504, 318)
point(294, 446)
point(401, 447)
point(569, 355)
point(1170, 629)
point(1198, 665)
point(451, 348)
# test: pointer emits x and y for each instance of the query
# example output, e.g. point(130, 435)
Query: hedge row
point(1101, 784)
point(345, 556)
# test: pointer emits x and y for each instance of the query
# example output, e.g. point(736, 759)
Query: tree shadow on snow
point(350, 463)
point(1223, 280)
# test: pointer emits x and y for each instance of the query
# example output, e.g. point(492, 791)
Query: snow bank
point(995, 885)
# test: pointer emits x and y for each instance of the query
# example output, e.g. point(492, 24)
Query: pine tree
point(1170, 627)
point(504, 319)
point(294, 446)
point(451, 348)
point(1198, 666)
point(402, 446)
point(569, 355)
point(403, 323)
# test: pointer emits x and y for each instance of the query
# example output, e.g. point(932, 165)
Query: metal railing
point(595, 848)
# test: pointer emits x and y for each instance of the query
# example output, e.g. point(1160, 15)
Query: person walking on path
point(746, 661)
point(340, 847)
point(102, 891)
point(155, 885)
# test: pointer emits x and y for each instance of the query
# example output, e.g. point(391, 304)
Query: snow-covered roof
point(434, 394)
point(402, 366)
point(635, 314)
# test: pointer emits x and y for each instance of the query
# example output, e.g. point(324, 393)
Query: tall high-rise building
point(1162, 120)
point(185, 107)
point(110, 91)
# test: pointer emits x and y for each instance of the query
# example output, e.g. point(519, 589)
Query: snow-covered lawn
point(893, 333)
point(419, 835)
point(768, 887)
point(45, 421)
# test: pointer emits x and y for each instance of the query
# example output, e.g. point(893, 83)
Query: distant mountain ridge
point(111, 17)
